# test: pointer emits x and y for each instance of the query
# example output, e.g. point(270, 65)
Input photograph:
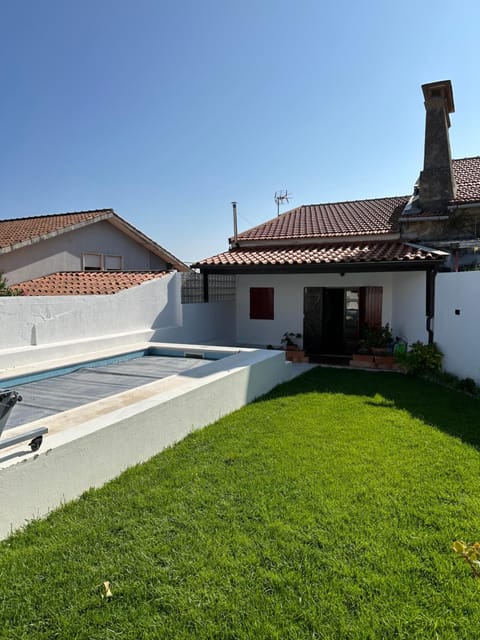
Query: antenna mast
point(280, 197)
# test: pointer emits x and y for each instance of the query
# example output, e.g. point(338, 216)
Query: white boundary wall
point(457, 334)
point(40, 320)
point(35, 328)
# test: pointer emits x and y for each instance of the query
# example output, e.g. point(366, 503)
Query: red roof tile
point(20, 230)
point(332, 253)
point(467, 178)
point(81, 283)
point(354, 218)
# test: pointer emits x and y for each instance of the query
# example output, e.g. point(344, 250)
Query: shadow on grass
point(451, 411)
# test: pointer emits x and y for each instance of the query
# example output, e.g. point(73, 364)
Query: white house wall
point(64, 253)
point(288, 302)
point(409, 306)
point(457, 318)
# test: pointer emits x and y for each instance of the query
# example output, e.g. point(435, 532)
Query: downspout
point(206, 293)
point(430, 302)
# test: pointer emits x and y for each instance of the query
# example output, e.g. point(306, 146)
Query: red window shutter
point(261, 303)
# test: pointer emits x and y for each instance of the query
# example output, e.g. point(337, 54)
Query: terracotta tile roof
point(19, 230)
point(82, 283)
point(354, 218)
point(467, 178)
point(331, 253)
point(377, 216)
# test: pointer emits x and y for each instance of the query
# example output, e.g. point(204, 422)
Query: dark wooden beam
point(205, 286)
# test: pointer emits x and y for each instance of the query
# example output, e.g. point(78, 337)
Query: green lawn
point(327, 509)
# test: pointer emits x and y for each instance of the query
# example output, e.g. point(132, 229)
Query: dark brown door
point(371, 306)
point(331, 320)
point(312, 319)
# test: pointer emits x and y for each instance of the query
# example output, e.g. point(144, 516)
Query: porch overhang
point(348, 267)
point(340, 257)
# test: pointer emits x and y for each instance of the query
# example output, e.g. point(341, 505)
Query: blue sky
point(168, 110)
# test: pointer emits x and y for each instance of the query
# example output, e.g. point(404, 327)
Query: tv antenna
point(281, 197)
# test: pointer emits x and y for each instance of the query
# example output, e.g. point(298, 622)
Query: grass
point(327, 509)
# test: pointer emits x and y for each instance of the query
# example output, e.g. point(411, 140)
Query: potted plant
point(375, 348)
point(378, 340)
point(289, 342)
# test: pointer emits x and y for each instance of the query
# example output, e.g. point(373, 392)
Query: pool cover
point(47, 397)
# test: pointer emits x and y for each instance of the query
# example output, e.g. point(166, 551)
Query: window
point(113, 263)
point(261, 303)
point(92, 261)
point(101, 262)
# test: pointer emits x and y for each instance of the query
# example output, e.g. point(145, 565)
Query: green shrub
point(421, 358)
point(5, 290)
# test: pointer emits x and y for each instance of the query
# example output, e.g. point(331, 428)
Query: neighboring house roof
point(20, 232)
point(78, 283)
point(335, 253)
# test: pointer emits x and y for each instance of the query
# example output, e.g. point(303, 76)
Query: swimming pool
point(51, 391)
point(93, 443)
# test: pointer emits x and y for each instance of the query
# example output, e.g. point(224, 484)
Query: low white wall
point(73, 461)
point(457, 333)
point(32, 327)
point(41, 320)
point(203, 323)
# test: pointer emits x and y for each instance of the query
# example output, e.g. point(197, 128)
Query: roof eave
point(337, 267)
point(302, 240)
point(147, 243)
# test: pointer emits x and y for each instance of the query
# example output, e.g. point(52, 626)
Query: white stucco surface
point(39, 328)
point(288, 292)
point(42, 320)
point(212, 323)
point(409, 306)
point(88, 446)
point(457, 334)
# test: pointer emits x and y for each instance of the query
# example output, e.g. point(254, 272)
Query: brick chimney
point(437, 183)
